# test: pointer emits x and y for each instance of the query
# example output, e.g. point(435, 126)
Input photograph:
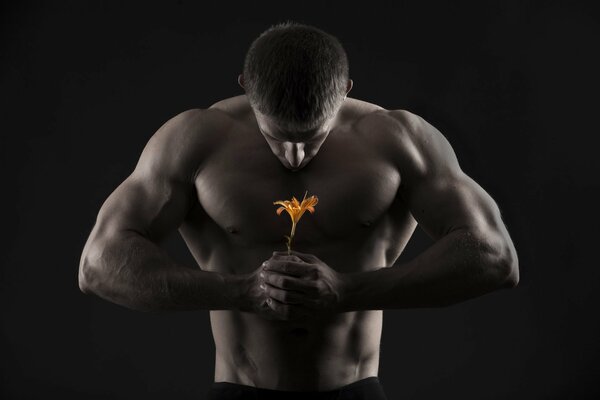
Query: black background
point(512, 85)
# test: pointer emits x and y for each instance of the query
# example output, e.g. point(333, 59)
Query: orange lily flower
point(295, 209)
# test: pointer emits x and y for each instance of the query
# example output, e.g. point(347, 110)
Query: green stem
point(289, 245)
point(293, 229)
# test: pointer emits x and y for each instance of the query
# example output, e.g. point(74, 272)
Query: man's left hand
point(301, 285)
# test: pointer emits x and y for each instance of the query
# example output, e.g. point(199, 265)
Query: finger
point(303, 256)
point(283, 256)
point(287, 282)
point(290, 267)
point(284, 296)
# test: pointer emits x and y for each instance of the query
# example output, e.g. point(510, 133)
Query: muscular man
point(214, 174)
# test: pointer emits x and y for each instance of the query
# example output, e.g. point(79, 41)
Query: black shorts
point(368, 388)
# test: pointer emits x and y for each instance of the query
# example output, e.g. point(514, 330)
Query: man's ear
point(241, 81)
point(349, 86)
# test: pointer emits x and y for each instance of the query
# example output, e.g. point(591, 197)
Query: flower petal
point(296, 209)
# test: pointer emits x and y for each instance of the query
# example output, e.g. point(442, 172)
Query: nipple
point(232, 229)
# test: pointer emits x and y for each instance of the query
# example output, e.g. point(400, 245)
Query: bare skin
point(214, 174)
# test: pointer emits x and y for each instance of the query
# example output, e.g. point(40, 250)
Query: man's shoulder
point(406, 121)
point(420, 149)
point(186, 139)
point(389, 127)
point(407, 140)
point(235, 108)
point(198, 120)
point(198, 127)
point(397, 121)
point(364, 114)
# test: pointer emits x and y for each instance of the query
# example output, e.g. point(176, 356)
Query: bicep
point(445, 202)
point(155, 199)
point(150, 206)
point(440, 196)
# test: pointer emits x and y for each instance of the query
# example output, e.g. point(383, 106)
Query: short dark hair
point(296, 74)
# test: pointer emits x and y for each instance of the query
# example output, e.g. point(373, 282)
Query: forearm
point(458, 267)
point(136, 273)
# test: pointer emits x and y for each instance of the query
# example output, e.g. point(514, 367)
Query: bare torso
point(360, 224)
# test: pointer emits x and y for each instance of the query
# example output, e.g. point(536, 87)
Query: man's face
point(297, 148)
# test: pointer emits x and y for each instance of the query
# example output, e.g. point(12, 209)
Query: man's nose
point(294, 153)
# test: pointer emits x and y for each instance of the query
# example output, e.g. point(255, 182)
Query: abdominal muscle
point(309, 355)
point(287, 355)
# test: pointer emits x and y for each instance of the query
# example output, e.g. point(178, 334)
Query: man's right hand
point(253, 297)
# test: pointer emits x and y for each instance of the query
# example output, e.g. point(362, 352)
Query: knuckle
point(270, 278)
point(279, 280)
point(284, 283)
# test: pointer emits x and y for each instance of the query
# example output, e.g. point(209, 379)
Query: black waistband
point(360, 382)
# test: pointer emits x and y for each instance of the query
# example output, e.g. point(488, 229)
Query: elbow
point(82, 284)
point(500, 260)
point(86, 278)
point(514, 273)
point(506, 268)
point(511, 268)
point(89, 270)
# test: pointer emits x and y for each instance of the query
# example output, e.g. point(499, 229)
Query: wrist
point(234, 290)
point(368, 290)
point(350, 288)
point(231, 290)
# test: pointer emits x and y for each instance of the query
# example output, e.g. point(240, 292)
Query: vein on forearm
point(139, 274)
point(459, 266)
